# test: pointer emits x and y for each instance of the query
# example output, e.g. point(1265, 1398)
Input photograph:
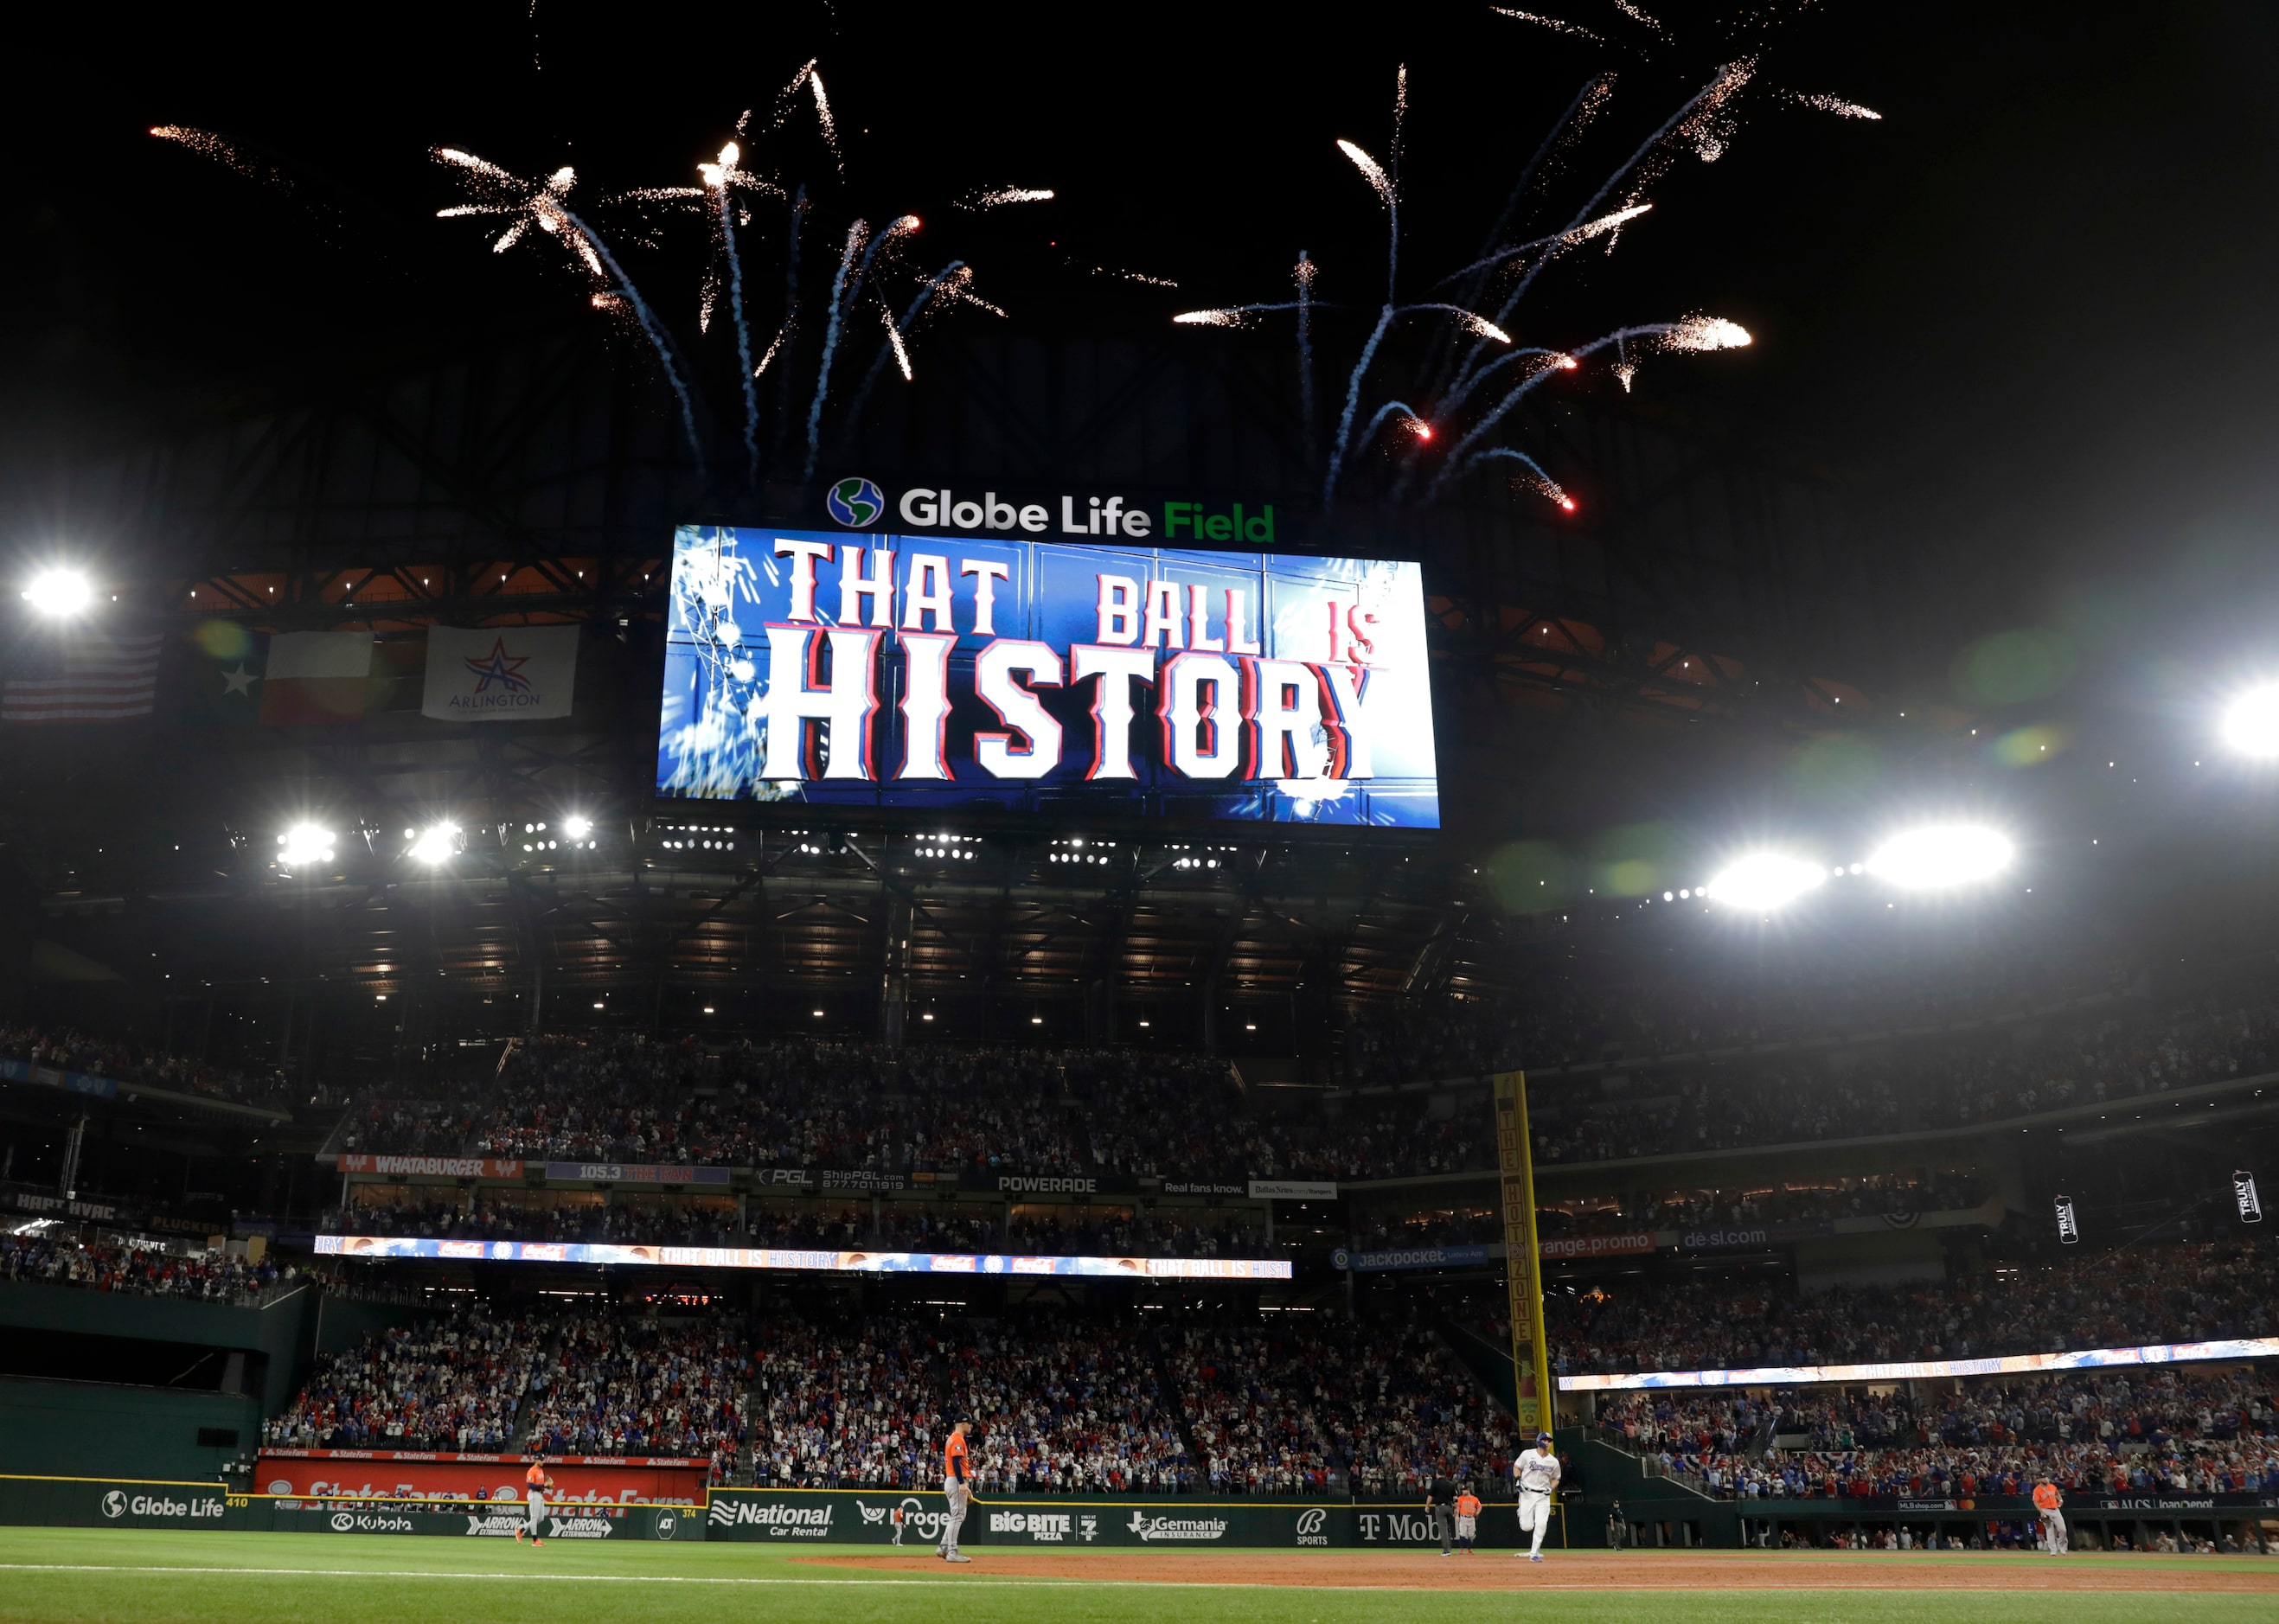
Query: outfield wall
point(862, 1516)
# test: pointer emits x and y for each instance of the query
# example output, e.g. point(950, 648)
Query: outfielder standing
point(537, 1484)
point(2046, 1501)
point(1535, 1475)
point(958, 1488)
point(1468, 1520)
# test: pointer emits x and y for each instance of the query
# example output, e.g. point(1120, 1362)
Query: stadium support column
point(1537, 1409)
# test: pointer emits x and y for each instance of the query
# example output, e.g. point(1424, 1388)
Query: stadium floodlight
point(577, 826)
point(1763, 881)
point(436, 843)
point(2250, 724)
point(1942, 857)
point(304, 844)
point(59, 592)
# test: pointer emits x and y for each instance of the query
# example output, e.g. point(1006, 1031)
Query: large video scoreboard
point(1112, 669)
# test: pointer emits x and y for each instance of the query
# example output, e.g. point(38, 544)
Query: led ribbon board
point(787, 1257)
point(1916, 1370)
point(935, 671)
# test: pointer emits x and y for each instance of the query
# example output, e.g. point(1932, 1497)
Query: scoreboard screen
point(1112, 676)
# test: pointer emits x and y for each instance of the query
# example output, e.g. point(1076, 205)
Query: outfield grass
point(114, 1577)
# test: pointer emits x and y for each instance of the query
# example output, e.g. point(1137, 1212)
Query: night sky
point(2026, 318)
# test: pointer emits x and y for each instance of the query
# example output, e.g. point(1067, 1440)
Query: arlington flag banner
point(500, 673)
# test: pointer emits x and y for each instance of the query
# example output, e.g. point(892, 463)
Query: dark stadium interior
point(297, 1153)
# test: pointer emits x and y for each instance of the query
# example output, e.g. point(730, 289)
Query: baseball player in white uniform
point(1535, 1475)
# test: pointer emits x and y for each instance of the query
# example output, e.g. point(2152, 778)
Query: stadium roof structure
point(1580, 664)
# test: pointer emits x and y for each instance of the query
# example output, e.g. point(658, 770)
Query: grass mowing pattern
point(118, 1576)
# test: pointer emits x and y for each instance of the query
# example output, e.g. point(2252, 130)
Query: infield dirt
point(1599, 1570)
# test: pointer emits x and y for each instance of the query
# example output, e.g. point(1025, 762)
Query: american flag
point(88, 677)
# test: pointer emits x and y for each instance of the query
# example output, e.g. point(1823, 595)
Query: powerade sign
point(1119, 666)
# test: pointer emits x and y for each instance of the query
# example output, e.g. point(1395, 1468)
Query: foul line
point(1521, 1587)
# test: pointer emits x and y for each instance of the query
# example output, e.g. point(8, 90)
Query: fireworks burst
point(1552, 23)
point(999, 197)
point(866, 280)
point(1471, 375)
point(1835, 105)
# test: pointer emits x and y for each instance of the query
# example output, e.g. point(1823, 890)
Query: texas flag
point(500, 673)
point(315, 677)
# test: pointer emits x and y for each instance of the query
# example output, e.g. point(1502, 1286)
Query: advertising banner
point(866, 1516)
point(1597, 1247)
point(778, 1258)
point(430, 1167)
point(1746, 1237)
point(500, 673)
point(475, 1521)
point(1413, 1257)
point(1047, 1183)
point(1116, 666)
point(51, 1077)
point(1929, 1369)
point(863, 1179)
point(1292, 1189)
point(635, 1173)
point(322, 1474)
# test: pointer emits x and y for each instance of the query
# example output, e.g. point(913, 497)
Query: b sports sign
point(1126, 669)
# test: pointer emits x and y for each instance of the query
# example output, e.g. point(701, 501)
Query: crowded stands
point(2182, 1429)
point(2186, 1292)
point(143, 1271)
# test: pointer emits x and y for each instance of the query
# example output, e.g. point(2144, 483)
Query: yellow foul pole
point(1523, 1259)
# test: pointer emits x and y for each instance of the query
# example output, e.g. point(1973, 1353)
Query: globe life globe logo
point(854, 502)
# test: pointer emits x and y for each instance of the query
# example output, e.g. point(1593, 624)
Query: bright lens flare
point(304, 844)
point(2251, 725)
point(1940, 858)
point(59, 591)
point(576, 827)
point(436, 843)
point(1764, 881)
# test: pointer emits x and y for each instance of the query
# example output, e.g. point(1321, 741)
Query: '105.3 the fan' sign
point(933, 669)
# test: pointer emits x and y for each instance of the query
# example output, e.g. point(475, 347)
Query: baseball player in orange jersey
point(958, 1488)
point(537, 1484)
point(2046, 1501)
point(1468, 1520)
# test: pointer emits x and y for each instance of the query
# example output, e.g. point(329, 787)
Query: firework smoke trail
point(1353, 404)
point(1305, 278)
point(789, 329)
point(952, 280)
point(1565, 129)
point(224, 151)
point(1570, 238)
point(1374, 174)
point(1710, 97)
point(746, 373)
point(1642, 20)
point(546, 204)
point(1552, 23)
point(856, 234)
point(1549, 485)
point(1689, 333)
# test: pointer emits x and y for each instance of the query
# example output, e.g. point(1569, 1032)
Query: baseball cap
point(1543, 1438)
